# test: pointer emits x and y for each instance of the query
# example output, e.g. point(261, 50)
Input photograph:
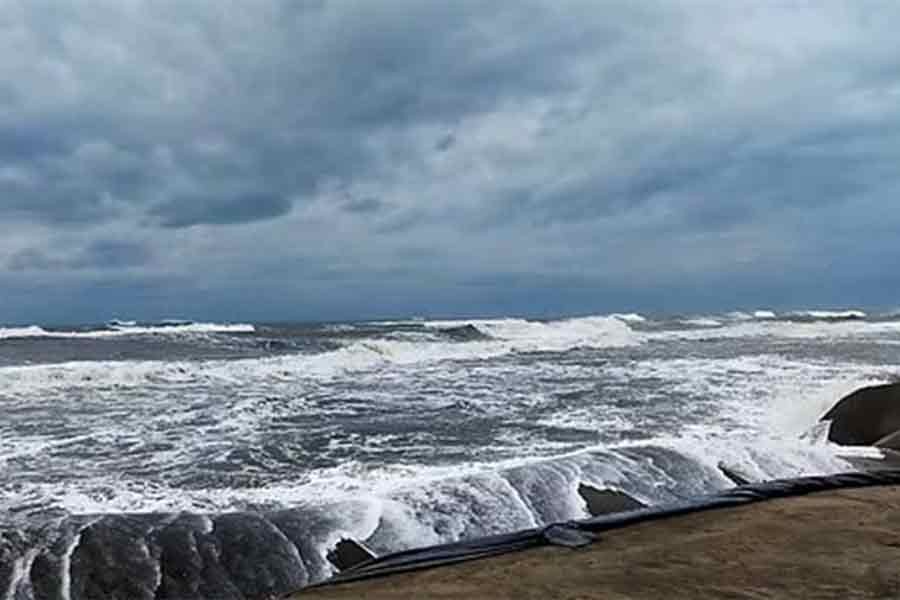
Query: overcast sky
point(351, 159)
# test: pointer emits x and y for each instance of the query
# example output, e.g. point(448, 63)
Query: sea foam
point(126, 328)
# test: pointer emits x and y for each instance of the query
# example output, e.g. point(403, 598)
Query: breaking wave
point(126, 328)
point(501, 337)
point(823, 326)
point(589, 332)
point(759, 315)
point(764, 314)
point(424, 442)
point(828, 315)
point(629, 317)
point(30, 331)
point(702, 322)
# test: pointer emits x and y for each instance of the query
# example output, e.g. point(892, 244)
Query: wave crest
point(125, 328)
point(31, 331)
point(828, 315)
point(536, 336)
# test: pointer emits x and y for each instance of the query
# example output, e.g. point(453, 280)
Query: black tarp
point(579, 533)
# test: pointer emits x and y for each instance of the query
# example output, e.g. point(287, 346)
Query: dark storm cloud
point(99, 254)
point(616, 146)
point(194, 210)
point(445, 142)
point(106, 254)
point(363, 205)
point(31, 259)
point(19, 143)
point(290, 95)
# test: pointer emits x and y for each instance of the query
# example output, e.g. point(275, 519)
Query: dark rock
point(464, 333)
point(13, 546)
point(260, 559)
point(189, 562)
point(735, 475)
point(46, 576)
point(114, 561)
point(865, 416)
point(604, 502)
point(161, 556)
point(891, 441)
point(47, 569)
point(347, 554)
point(305, 529)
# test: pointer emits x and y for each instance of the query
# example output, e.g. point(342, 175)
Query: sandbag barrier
point(582, 532)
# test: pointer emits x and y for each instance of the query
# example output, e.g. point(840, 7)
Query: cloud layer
point(319, 159)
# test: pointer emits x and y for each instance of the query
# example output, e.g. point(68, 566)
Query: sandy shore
point(842, 544)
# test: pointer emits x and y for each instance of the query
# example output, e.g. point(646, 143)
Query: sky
point(337, 159)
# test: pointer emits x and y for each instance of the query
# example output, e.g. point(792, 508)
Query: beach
point(843, 544)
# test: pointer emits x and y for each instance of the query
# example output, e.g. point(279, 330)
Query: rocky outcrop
point(13, 549)
point(259, 558)
point(604, 502)
point(184, 556)
point(865, 416)
point(158, 556)
point(348, 553)
point(189, 561)
point(113, 560)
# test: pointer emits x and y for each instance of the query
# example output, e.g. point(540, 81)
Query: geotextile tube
point(581, 532)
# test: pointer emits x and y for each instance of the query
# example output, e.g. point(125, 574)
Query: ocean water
point(416, 432)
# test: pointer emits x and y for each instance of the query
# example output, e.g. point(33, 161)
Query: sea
point(406, 433)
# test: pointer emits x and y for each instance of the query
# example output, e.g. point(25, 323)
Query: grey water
point(405, 433)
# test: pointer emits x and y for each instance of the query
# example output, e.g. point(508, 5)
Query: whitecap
point(764, 314)
point(30, 331)
point(829, 315)
point(127, 328)
point(702, 322)
point(629, 317)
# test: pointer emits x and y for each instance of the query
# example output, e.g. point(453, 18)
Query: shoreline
point(832, 544)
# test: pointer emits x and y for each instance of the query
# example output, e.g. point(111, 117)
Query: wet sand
point(843, 544)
